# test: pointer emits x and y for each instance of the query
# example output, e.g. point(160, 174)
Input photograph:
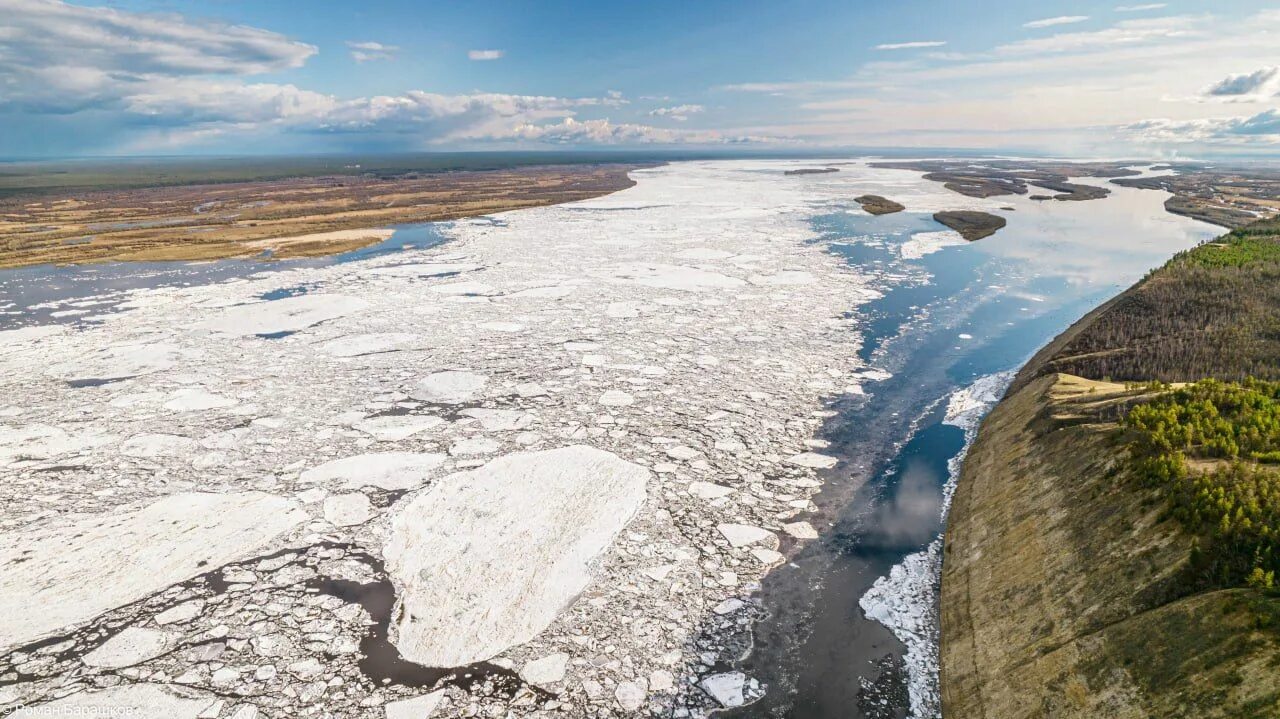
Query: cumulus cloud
point(1141, 8)
point(677, 112)
point(1250, 86)
point(910, 45)
point(42, 33)
point(1262, 128)
point(1060, 20)
point(179, 80)
point(62, 58)
point(366, 51)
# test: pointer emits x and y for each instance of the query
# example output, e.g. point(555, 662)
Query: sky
point(228, 77)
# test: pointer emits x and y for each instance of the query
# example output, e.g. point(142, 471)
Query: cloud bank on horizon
point(1100, 79)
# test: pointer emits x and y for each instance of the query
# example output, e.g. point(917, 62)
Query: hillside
point(1213, 311)
point(1088, 567)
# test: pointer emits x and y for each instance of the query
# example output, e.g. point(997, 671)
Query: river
point(951, 315)
point(945, 314)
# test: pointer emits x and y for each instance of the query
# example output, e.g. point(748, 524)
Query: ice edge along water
point(906, 600)
point(655, 324)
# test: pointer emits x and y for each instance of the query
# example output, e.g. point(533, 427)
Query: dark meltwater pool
point(949, 316)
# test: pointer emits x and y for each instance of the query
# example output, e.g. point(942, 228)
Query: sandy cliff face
point(1057, 592)
point(1060, 588)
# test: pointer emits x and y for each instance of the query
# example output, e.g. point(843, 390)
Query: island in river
point(971, 224)
point(877, 205)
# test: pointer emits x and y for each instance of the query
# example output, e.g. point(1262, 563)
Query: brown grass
point(235, 219)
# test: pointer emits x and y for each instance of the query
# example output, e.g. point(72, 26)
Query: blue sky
point(231, 77)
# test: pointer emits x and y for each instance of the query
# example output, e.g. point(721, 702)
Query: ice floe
point(374, 343)
point(450, 387)
point(927, 243)
point(75, 571)
point(515, 538)
point(289, 314)
point(385, 470)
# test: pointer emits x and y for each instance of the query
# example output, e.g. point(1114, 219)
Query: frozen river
point(649, 451)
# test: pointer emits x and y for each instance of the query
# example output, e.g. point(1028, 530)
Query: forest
point(1213, 311)
point(1208, 448)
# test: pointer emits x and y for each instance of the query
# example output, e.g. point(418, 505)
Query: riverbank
point(1088, 608)
point(272, 219)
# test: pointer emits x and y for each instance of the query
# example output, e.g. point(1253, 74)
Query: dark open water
point(946, 319)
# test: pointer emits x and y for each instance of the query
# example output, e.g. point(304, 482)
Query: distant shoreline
point(274, 219)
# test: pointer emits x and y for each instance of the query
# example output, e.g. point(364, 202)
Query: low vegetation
point(240, 219)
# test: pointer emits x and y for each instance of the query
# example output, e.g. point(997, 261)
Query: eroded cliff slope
point(1068, 588)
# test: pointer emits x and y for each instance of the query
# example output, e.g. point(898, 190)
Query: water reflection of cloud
point(1111, 241)
point(910, 516)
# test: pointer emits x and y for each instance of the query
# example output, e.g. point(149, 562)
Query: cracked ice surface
point(258, 451)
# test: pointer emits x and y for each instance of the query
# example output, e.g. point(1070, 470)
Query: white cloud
point(41, 33)
point(1068, 92)
point(62, 58)
point(485, 54)
point(604, 132)
point(1262, 128)
point(1249, 87)
point(1141, 8)
point(200, 101)
point(1060, 20)
point(677, 112)
point(1126, 32)
point(910, 45)
point(366, 51)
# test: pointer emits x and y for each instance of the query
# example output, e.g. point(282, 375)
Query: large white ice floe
point(42, 441)
point(374, 343)
point(132, 646)
point(927, 243)
point(676, 277)
point(289, 314)
point(395, 427)
point(77, 570)
point(158, 444)
point(385, 470)
point(486, 559)
point(424, 269)
point(450, 387)
point(24, 337)
point(195, 399)
point(116, 362)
